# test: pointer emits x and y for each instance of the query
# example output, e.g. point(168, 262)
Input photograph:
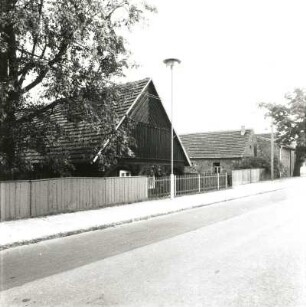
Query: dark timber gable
point(153, 129)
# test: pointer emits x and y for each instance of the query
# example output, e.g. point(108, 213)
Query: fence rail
point(25, 199)
point(187, 184)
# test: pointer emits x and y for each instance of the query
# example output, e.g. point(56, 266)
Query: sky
point(234, 54)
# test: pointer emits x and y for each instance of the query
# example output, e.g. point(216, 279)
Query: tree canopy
point(290, 118)
point(290, 121)
point(64, 52)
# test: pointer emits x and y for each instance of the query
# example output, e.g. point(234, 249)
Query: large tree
point(290, 122)
point(59, 51)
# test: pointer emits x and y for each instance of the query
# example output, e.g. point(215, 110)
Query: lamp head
point(171, 61)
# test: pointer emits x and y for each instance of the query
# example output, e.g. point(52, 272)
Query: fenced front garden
point(186, 184)
point(33, 198)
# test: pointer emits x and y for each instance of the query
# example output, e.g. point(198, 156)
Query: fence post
point(30, 200)
point(226, 180)
point(174, 179)
point(147, 187)
point(199, 182)
point(218, 180)
point(2, 207)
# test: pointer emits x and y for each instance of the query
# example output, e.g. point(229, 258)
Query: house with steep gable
point(150, 154)
point(140, 102)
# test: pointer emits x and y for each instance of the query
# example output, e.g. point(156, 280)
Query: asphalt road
point(248, 252)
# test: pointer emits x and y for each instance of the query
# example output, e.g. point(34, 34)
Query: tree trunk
point(11, 92)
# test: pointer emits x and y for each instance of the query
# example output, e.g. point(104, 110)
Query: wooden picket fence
point(33, 198)
point(24, 199)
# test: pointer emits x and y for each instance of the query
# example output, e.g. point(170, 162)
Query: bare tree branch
point(43, 73)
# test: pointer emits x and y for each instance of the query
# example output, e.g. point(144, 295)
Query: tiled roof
point(83, 143)
point(219, 144)
point(128, 93)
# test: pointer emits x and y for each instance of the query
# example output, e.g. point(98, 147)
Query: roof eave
point(215, 157)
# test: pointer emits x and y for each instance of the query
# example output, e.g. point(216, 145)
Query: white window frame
point(125, 173)
point(216, 168)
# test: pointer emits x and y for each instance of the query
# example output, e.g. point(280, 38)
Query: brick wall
point(206, 165)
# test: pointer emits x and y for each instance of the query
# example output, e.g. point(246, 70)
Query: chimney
point(242, 130)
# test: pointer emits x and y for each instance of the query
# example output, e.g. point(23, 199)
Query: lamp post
point(171, 62)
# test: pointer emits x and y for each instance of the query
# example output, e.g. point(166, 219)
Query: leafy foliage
point(63, 52)
point(290, 121)
point(260, 162)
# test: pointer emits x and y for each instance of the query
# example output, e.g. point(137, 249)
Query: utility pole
point(272, 152)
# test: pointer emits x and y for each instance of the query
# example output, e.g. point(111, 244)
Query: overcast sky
point(234, 53)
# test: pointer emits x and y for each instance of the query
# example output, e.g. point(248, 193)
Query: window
point(216, 167)
point(123, 173)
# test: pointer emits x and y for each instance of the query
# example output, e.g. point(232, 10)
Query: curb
point(125, 222)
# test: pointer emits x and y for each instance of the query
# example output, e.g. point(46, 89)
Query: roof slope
point(81, 142)
point(219, 144)
point(128, 93)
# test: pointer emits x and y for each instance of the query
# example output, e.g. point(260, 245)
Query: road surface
point(247, 252)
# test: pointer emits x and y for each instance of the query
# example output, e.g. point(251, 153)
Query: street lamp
point(171, 62)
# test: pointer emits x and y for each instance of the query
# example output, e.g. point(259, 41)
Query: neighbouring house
point(284, 154)
point(150, 155)
point(219, 151)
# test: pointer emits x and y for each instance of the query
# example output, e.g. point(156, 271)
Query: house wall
point(152, 135)
point(152, 132)
point(149, 110)
point(154, 143)
point(206, 165)
point(146, 168)
point(251, 147)
point(287, 158)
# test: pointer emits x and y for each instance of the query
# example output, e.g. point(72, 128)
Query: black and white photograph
point(153, 153)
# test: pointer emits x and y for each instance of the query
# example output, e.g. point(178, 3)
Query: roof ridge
point(147, 79)
point(216, 131)
point(60, 100)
